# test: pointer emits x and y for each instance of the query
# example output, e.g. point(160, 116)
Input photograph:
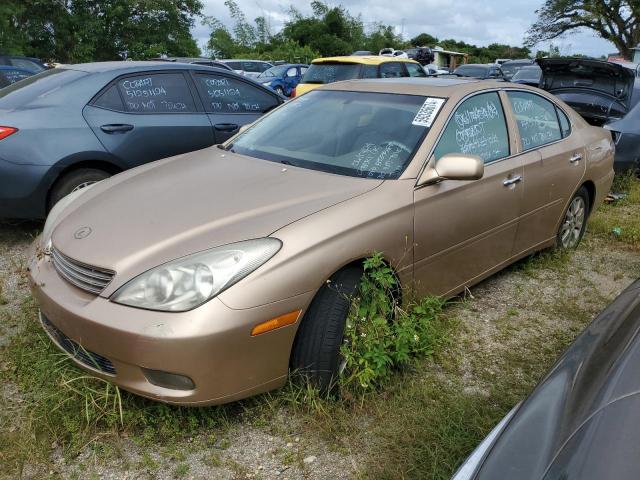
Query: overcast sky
point(479, 22)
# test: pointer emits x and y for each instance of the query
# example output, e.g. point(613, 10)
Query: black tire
point(72, 180)
point(316, 349)
point(576, 234)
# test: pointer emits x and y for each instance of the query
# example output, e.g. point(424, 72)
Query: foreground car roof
point(437, 87)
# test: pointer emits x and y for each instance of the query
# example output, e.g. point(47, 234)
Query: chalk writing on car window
point(377, 161)
point(477, 128)
point(142, 88)
point(537, 121)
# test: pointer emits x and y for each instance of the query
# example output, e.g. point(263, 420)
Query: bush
point(380, 336)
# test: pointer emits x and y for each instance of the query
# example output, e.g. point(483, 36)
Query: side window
point(156, 93)
point(26, 64)
point(303, 70)
point(415, 70)
point(392, 70)
point(477, 127)
point(370, 71)
point(292, 72)
point(110, 99)
point(565, 125)
point(536, 118)
point(264, 67)
point(15, 75)
point(221, 94)
point(252, 67)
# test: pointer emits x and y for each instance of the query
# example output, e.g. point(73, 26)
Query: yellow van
point(334, 69)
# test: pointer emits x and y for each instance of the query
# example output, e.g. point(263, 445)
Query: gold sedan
point(203, 278)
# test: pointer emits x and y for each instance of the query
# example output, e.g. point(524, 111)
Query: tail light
point(293, 92)
point(6, 131)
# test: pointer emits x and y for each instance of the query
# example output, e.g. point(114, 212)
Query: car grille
point(77, 351)
point(86, 277)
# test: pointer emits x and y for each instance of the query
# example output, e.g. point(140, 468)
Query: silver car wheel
point(83, 185)
point(573, 223)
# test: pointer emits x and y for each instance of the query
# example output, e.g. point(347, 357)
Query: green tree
point(423, 40)
point(615, 20)
point(91, 30)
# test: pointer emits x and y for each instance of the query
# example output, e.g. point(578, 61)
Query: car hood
point(147, 216)
point(579, 404)
point(596, 89)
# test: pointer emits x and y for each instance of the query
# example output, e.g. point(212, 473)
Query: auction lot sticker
point(427, 113)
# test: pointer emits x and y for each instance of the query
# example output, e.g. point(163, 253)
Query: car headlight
point(55, 215)
point(190, 281)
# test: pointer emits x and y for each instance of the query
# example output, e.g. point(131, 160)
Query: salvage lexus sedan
point(203, 278)
point(581, 421)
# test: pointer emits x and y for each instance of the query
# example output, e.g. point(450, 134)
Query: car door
point(231, 102)
point(147, 116)
point(553, 166)
point(465, 230)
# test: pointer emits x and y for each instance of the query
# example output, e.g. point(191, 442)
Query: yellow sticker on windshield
point(427, 113)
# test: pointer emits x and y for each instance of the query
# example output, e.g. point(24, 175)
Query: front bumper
point(212, 344)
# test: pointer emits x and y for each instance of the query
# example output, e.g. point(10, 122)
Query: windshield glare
point(38, 85)
point(331, 72)
point(274, 71)
point(361, 134)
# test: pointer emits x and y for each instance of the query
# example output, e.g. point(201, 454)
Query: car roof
point(365, 59)
point(435, 87)
point(242, 60)
point(483, 65)
point(100, 67)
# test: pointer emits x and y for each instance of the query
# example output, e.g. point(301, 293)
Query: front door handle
point(116, 128)
point(512, 181)
point(575, 158)
point(226, 127)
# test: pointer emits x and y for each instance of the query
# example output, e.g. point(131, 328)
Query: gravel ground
point(520, 304)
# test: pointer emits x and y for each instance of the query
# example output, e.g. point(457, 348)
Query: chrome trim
point(85, 277)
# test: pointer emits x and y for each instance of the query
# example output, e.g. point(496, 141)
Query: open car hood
point(599, 91)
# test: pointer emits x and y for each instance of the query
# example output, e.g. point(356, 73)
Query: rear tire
point(73, 180)
point(574, 221)
point(316, 349)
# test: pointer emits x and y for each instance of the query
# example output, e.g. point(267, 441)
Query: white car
point(390, 52)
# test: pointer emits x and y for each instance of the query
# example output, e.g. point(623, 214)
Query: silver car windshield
point(360, 134)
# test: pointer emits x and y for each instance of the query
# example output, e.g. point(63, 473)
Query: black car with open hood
point(599, 91)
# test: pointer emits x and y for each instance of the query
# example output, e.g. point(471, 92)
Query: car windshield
point(527, 74)
point(509, 69)
point(274, 72)
point(37, 85)
point(469, 71)
point(360, 134)
point(331, 72)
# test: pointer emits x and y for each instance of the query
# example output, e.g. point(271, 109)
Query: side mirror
point(453, 166)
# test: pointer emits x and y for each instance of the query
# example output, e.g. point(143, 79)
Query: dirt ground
point(518, 318)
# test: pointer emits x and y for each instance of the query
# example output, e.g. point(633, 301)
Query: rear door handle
point(512, 180)
point(575, 158)
point(116, 128)
point(226, 127)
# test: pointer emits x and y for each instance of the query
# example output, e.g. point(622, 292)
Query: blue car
point(283, 78)
point(67, 127)
point(9, 75)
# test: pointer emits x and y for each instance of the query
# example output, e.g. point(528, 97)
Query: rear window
point(36, 86)
point(468, 71)
point(331, 72)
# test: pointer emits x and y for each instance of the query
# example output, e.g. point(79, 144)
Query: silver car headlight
point(190, 281)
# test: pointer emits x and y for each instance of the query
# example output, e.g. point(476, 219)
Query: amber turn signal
point(281, 321)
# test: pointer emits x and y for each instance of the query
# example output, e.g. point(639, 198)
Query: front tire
point(574, 222)
point(316, 349)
